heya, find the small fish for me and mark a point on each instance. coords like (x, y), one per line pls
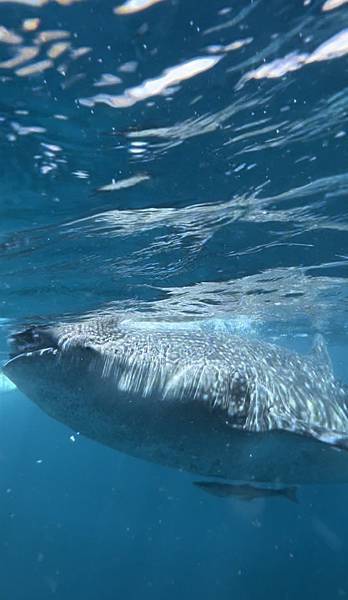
(245, 492)
(123, 183)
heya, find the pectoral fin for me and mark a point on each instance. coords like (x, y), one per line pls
(221, 490)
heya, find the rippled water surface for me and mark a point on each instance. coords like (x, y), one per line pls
(182, 159)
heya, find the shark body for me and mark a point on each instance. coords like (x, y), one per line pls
(208, 402)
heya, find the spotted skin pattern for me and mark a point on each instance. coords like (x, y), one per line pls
(260, 386)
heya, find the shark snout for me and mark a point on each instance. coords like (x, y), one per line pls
(32, 339)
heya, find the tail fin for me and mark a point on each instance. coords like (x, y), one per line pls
(291, 494)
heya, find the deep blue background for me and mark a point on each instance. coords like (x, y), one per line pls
(243, 217)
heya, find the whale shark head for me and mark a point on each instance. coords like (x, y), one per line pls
(60, 377)
(73, 373)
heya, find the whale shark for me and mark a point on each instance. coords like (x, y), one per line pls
(191, 397)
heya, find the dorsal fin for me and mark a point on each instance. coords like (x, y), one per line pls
(320, 353)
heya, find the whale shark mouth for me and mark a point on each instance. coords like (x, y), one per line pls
(35, 340)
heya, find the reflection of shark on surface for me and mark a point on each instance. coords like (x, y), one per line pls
(190, 397)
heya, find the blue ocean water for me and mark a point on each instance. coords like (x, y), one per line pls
(181, 159)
